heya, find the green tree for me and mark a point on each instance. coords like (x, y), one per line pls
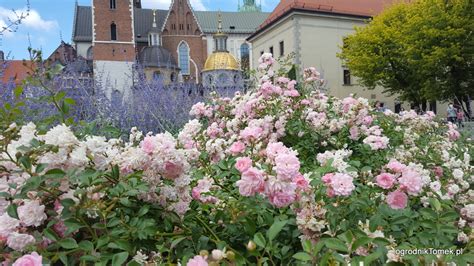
(421, 51)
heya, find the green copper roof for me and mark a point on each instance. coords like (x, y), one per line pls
(250, 6)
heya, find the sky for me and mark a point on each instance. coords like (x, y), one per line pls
(50, 21)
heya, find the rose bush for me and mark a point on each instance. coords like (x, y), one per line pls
(282, 175)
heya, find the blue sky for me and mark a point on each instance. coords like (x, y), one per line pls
(49, 20)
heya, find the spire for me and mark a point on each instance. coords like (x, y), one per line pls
(219, 27)
(220, 38)
(154, 18)
(154, 33)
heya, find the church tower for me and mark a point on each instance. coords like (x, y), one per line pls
(250, 6)
(183, 37)
(114, 44)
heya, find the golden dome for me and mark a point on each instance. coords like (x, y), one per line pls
(221, 61)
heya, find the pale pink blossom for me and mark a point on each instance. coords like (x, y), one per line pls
(31, 213)
(327, 178)
(354, 133)
(172, 170)
(301, 182)
(438, 171)
(251, 133)
(287, 165)
(197, 261)
(397, 199)
(19, 241)
(237, 148)
(8, 225)
(342, 184)
(411, 182)
(243, 164)
(33, 259)
(251, 182)
(396, 166)
(148, 144)
(385, 180)
(275, 148)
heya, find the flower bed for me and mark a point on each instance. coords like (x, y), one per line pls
(283, 175)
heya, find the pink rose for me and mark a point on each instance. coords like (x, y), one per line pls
(243, 164)
(330, 192)
(197, 261)
(301, 181)
(287, 165)
(251, 133)
(396, 166)
(282, 199)
(385, 180)
(342, 184)
(172, 170)
(397, 199)
(327, 178)
(411, 182)
(251, 182)
(354, 131)
(438, 171)
(33, 259)
(148, 144)
(237, 148)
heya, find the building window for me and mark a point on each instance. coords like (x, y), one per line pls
(181, 27)
(183, 52)
(271, 50)
(156, 75)
(347, 77)
(245, 56)
(90, 53)
(282, 48)
(113, 4)
(173, 27)
(113, 32)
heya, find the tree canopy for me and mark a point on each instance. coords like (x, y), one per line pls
(420, 50)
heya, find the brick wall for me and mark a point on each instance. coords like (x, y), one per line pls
(181, 25)
(197, 47)
(103, 17)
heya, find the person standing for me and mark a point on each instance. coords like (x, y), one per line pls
(452, 114)
(460, 118)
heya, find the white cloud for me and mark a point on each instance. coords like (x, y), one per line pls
(165, 4)
(32, 21)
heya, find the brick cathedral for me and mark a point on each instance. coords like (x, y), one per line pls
(172, 44)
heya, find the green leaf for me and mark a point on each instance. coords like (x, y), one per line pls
(361, 242)
(119, 258)
(86, 245)
(276, 227)
(336, 244)
(50, 234)
(12, 211)
(307, 246)
(40, 168)
(55, 173)
(70, 101)
(143, 210)
(68, 243)
(259, 239)
(102, 241)
(303, 256)
(176, 241)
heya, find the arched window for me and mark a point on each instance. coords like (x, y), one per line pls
(156, 75)
(245, 56)
(90, 53)
(113, 4)
(183, 54)
(113, 32)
